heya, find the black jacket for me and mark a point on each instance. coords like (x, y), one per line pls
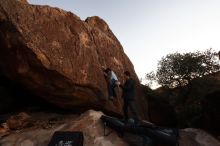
(128, 89)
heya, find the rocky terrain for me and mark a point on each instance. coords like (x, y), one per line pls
(41, 127)
(51, 69)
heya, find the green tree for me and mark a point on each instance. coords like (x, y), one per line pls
(179, 69)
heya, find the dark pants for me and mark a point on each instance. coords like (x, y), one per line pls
(130, 104)
(111, 89)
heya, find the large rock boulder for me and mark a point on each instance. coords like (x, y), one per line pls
(58, 57)
(197, 105)
(160, 110)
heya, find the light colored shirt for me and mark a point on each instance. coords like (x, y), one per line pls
(113, 76)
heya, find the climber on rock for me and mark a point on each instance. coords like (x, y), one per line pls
(112, 82)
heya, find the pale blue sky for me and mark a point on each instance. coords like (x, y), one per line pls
(150, 29)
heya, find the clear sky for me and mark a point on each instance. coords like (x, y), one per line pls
(150, 29)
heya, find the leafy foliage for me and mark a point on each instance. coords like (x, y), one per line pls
(179, 69)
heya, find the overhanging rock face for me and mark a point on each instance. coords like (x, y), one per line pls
(58, 57)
